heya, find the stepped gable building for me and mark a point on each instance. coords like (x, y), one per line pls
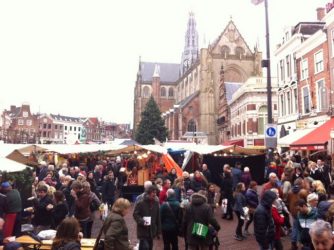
(198, 110)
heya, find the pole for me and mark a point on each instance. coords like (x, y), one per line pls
(270, 115)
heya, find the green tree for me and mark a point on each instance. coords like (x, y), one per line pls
(151, 125)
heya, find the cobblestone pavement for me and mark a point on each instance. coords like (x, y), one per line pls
(225, 235)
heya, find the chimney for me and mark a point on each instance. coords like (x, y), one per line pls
(12, 108)
(320, 13)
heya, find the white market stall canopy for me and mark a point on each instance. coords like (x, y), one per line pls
(132, 148)
(290, 138)
(9, 166)
(81, 148)
(210, 149)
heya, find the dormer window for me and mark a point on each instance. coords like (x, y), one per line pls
(225, 51)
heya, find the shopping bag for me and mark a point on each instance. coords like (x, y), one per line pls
(199, 230)
(224, 206)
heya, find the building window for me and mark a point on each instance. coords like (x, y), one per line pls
(304, 69)
(146, 92)
(282, 105)
(29, 122)
(239, 52)
(70, 128)
(282, 70)
(25, 114)
(49, 126)
(318, 62)
(322, 96)
(191, 126)
(306, 100)
(44, 125)
(163, 92)
(294, 63)
(288, 65)
(170, 92)
(288, 100)
(60, 126)
(75, 128)
(79, 129)
(56, 126)
(44, 134)
(65, 127)
(225, 51)
(20, 122)
(262, 121)
(295, 100)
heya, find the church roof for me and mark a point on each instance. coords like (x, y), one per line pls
(169, 72)
(186, 100)
(231, 88)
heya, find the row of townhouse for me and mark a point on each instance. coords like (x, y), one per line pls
(305, 67)
(20, 125)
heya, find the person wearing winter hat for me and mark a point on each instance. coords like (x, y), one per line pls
(264, 227)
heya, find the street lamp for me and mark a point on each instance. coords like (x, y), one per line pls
(266, 63)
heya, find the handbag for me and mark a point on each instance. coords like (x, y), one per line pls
(99, 243)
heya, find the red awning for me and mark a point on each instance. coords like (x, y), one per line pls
(315, 140)
(238, 142)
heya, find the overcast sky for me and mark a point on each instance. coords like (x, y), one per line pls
(80, 58)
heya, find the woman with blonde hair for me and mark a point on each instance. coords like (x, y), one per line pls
(115, 229)
(319, 189)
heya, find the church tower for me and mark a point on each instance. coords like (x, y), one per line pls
(190, 51)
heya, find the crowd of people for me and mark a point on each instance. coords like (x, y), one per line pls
(294, 202)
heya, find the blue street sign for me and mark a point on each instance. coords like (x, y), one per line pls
(271, 132)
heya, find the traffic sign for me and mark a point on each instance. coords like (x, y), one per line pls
(271, 136)
(271, 131)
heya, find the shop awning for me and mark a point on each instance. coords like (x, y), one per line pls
(287, 140)
(315, 140)
(238, 142)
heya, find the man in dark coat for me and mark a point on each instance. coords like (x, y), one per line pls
(226, 189)
(264, 227)
(199, 211)
(109, 188)
(147, 216)
(206, 172)
(42, 210)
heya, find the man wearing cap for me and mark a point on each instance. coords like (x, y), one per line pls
(14, 207)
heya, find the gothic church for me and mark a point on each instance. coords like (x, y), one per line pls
(193, 96)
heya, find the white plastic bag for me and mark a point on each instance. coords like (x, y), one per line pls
(47, 234)
(105, 211)
(224, 206)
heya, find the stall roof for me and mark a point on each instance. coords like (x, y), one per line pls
(81, 148)
(9, 166)
(315, 140)
(131, 149)
(290, 138)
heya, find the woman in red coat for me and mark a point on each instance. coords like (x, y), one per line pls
(279, 221)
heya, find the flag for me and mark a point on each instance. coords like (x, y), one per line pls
(256, 2)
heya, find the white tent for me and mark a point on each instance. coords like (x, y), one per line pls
(10, 166)
(290, 138)
(81, 148)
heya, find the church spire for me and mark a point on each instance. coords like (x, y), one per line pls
(190, 52)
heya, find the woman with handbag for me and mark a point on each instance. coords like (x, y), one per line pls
(115, 229)
(239, 205)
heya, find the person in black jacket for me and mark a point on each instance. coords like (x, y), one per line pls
(239, 204)
(264, 227)
(226, 189)
(252, 199)
(60, 210)
(42, 210)
(199, 211)
(108, 189)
